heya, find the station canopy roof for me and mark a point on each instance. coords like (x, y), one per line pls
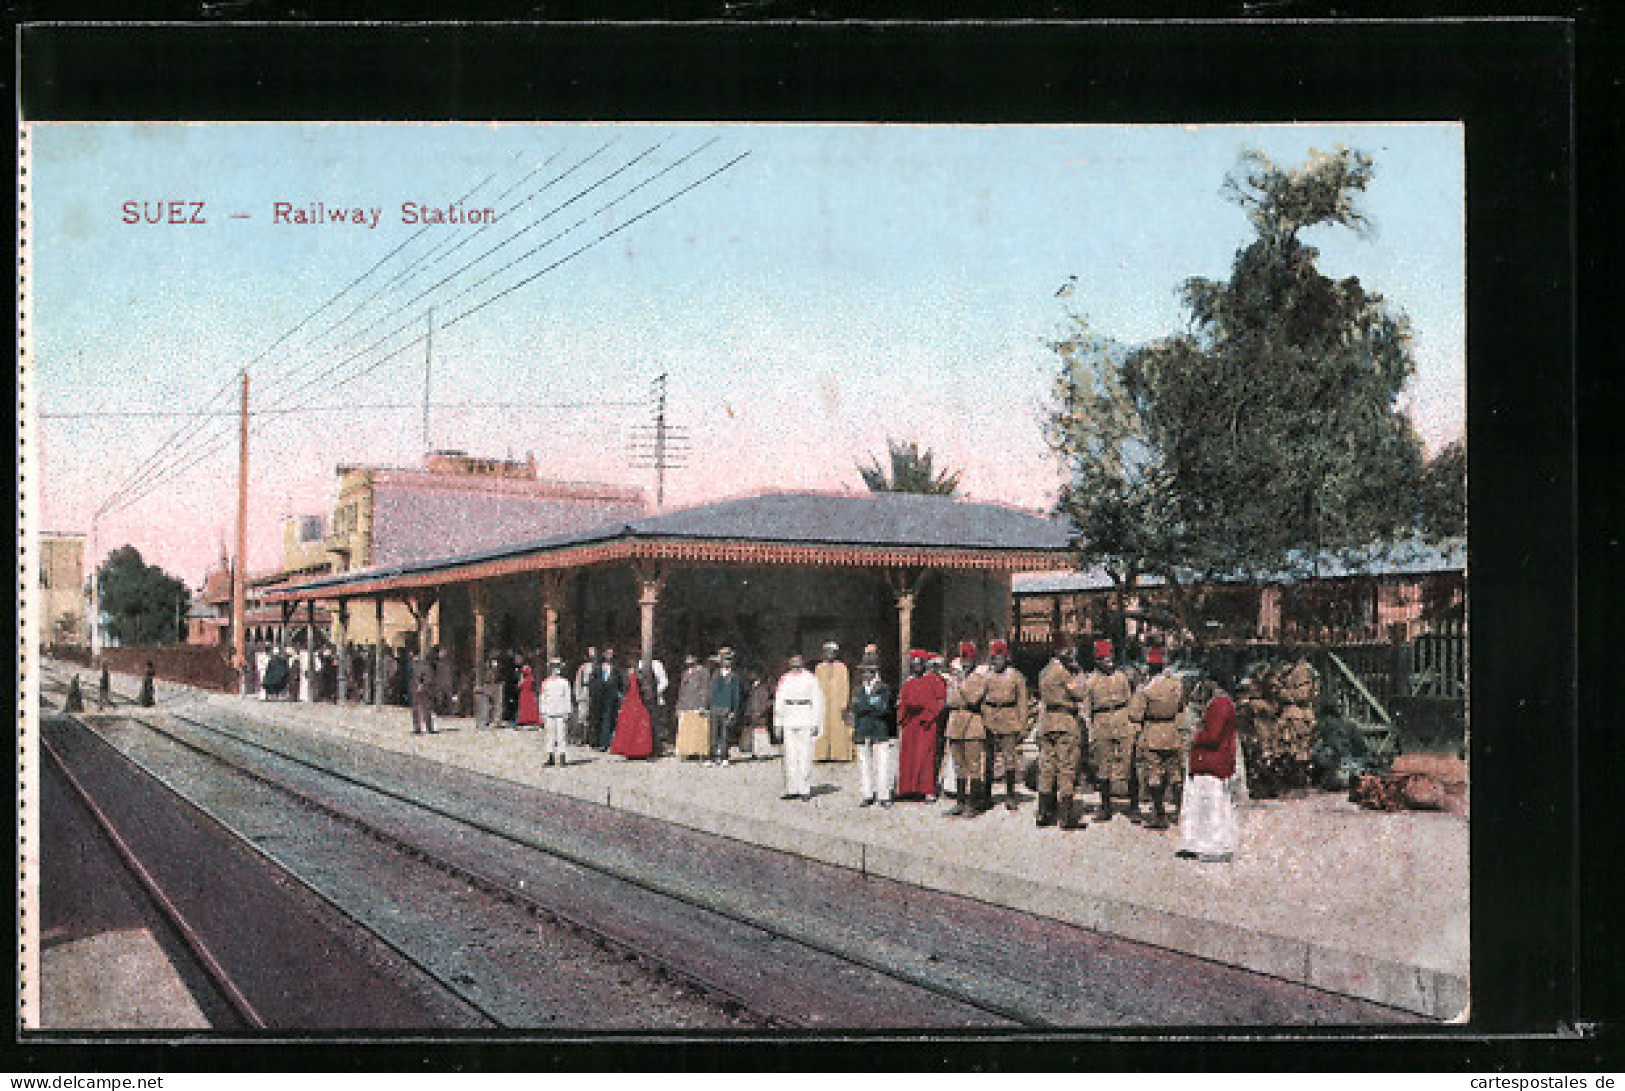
(1393, 561)
(809, 529)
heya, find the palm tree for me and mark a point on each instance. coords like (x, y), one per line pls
(911, 471)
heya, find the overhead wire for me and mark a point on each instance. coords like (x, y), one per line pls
(180, 467)
(172, 445)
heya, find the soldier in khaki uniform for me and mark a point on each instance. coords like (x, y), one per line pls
(965, 732)
(1158, 748)
(1300, 693)
(1111, 735)
(1060, 737)
(1004, 713)
(1259, 782)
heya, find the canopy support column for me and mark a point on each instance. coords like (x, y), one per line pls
(342, 635)
(378, 651)
(651, 581)
(479, 601)
(905, 584)
(552, 585)
(307, 692)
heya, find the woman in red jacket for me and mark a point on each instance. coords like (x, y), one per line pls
(1207, 824)
(529, 714)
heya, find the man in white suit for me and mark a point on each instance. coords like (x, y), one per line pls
(798, 713)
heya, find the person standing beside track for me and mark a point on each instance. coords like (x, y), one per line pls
(1154, 710)
(1111, 732)
(727, 706)
(693, 705)
(529, 714)
(607, 688)
(966, 734)
(835, 744)
(1004, 713)
(556, 704)
(1207, 822)
(1060, 737)
(146, 697)
(873, 729)
(583, 692)
(919, 715)
(104, 689)
(798, 711)
(422, 698)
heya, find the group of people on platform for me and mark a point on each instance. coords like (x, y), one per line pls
(953, 728)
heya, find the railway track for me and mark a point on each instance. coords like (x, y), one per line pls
(776, 941)
(796, 985)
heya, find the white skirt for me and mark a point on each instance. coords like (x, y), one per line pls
(1207, 822)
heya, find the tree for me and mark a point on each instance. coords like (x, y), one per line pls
(1276, 416)
(144, 604)
(1444, 493)
(1119, 495)
(912, 470)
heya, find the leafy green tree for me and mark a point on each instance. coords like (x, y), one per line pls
(1444, 493)
(1276, 415)
(144, 604)
(1118, 494)
(912, 470)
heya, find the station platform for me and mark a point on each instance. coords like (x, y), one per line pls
(1362, 903)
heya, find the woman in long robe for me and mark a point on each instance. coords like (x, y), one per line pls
(1207, 823)
(529, 714)
(634, 736)
(920, 705)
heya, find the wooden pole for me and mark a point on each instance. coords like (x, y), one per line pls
(478, 599)
(343, 635)
(239, 573)
(378, 651)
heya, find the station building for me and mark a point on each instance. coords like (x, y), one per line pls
(766, 575)
(63, 610)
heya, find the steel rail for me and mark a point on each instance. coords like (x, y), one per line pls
(349, 918)
(711, 986)
(217, 974)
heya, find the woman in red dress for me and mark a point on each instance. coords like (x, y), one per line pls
(529, 714)
(919, 715)
(634, 737)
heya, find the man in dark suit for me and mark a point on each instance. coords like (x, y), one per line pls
(605, 689)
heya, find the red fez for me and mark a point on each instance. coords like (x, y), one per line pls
(1153, 656)
(1103, 649)
(967, 650)
(998, 647)
(919, 654)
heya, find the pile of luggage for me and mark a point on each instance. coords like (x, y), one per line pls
(1422, 782)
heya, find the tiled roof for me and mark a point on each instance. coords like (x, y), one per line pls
(884, 519)
(1404, 559)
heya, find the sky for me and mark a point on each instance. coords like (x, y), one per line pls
(810, 290)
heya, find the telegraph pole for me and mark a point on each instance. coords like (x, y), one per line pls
(239, 570)
(660, 444)
(95, 592)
